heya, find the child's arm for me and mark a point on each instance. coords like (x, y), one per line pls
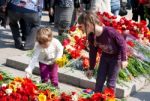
(121, 43)
(92, 52)
(34, 59)
(59, 49)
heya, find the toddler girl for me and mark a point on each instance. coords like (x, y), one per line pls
(47, 50)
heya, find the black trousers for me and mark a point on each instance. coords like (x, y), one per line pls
(32, 23)
(138, 11)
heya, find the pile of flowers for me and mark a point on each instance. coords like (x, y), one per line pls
(20, 89)
(75, 43)
(122, 24)
(24, 89)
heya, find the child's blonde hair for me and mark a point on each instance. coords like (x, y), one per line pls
(44, 35)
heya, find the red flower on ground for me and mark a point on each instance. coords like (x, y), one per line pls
(4, 98)
(1, 77)
(109, 92)
(73, 28)
(85, 63)
(65, 97)
(65, 42)
(96, 97)
(130, 43)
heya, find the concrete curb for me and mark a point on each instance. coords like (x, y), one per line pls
(77, 78)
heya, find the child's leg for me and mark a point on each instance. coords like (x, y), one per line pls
(101, 75)
(54, 74)
(44, 72)
(113, 70)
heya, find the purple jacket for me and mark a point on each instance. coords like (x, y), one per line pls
(110, 42)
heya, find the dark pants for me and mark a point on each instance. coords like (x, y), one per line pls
(24, 29)
(148, 15)
(138, 11)
(49, 72)
(33, 19)
(108, 70)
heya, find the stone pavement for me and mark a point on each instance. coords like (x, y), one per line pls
(7, 50)
(17, 73)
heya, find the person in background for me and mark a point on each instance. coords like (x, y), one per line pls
(101, 6)
(147, 12)
(128, 5)
(137, 10)
(63, 14)
(46, 51)
(3, 13)
(51, 13)
(77, 10)
(86, 4)
(115, 7)
(29, 12)
(113, 48)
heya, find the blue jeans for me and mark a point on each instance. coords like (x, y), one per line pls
(115, 12)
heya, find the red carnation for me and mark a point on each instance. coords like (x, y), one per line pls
(65, 42)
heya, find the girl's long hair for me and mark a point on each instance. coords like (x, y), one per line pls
(89, 17)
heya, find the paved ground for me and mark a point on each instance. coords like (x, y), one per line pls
(7, 50)
(17, 73)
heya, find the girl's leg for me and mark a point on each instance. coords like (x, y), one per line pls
(113, 70)
(44, 72)
(54, 74)
(101, 75)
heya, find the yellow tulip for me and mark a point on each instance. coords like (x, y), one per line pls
(42, 97)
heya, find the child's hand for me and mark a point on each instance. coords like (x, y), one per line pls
(28, 72)
(89, 74)
(124, 64)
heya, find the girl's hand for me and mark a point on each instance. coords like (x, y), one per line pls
(124, 64)
(89, 74)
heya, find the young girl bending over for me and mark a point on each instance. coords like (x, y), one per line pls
(47, 50)
(113, 48)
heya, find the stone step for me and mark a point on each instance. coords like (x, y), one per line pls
(18, 73)
(77, 78)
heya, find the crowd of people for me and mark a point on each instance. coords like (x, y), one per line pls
(24, 21)
(24, 15)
